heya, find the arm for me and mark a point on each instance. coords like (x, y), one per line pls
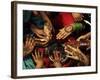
(46, 18)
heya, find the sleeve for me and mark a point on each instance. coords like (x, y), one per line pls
(28, 64)
(66, 18)
(78, 27)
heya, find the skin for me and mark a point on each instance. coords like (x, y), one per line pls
(77, 16)
(84, 36)
(28, 46)
(38, 58)
(64, 32)
(56, 58)
(44, 35)
(76, 54)
(67, 30)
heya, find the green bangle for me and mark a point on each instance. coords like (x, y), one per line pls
(77, 26)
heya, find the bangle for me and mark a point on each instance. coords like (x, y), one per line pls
(77, 26)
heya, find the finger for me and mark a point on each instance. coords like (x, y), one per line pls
(60, 55)
(56, 56)
(60, 35)
(33, 43)
(31, 47)
(79, 50)
(30, 39)
(57, 36)
(28, 42)
(65, 35)
(61, 31)
(38, 53)
(41, 35)
(33, 57)
(68, 52)
(51, 58)
(72, 48)
(81, 37)
(27, 37)
(78, 39)
(41, 55)
(73, 57)
(36, 56)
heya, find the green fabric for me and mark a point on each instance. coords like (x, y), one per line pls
(77, 27)
(37, 21)
(26, 15)
(28, 64)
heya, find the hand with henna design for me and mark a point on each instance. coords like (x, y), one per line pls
(76, 54)
(64, 32)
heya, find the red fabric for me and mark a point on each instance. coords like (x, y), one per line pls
(41, 50)
(67, 64)
(65, 19)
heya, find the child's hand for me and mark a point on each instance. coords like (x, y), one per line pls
(56, 58)
(38, 58)
(28, 46)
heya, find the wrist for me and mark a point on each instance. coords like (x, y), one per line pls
(57, 64)
(39, 66)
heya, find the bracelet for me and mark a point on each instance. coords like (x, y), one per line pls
(77, 26)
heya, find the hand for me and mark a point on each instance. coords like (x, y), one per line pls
(28, 46)
(77, 16)
(76, 54)
(56, 58)
(44, 35)
(86, 36)
(87, 40)
(38, 58)
(47, 30)
(64, 32)
(47, 35)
